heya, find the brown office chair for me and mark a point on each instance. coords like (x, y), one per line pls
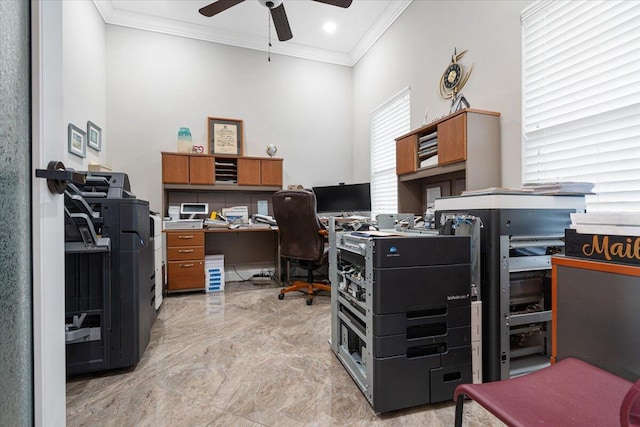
(302, 237)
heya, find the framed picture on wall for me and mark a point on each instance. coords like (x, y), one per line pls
(77, 141)
(226, 136)
(94, 136)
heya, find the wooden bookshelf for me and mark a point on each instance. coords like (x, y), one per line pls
(468, 153)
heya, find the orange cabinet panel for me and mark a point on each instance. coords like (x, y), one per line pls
(183, 275)
(406, 155)
(185, 260)
(201, 170)
(185, 253)
(248, 171)
(452, 140)
(175, 169)
(271, 172)
(185, 238)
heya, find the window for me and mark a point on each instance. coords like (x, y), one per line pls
(388, 121)
(581, 98)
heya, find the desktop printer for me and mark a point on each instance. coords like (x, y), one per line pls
(191, 223)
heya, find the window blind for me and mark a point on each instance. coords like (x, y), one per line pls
(388, 121)
(581, 98)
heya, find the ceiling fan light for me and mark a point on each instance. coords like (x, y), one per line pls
(330, 27)
(271, 4)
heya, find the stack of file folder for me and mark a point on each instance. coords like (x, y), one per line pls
(428, 150)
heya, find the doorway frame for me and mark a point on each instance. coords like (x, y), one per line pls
(49, 388)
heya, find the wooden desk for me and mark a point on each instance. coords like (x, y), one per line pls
(186, 250)
(220, 181)
(595, 314)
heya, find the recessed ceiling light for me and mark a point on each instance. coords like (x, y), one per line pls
(330, 27)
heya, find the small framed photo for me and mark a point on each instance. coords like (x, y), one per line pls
(77, 141)
(94, 136)
(226, 136)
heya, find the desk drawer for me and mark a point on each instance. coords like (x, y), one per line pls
(185, 238)
(182, 253)
(185, 275)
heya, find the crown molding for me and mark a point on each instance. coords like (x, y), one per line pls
(113, 16)
(391, 13)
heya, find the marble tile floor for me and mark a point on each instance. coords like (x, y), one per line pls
(241, 358)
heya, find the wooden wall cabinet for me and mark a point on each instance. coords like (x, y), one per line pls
(271, 172)
(406, 154)
(179, 168)
(255, 171)
(468, 158)
(201, 169)
(248, 171)
(175, 169)
(453, 134)
(185, 260)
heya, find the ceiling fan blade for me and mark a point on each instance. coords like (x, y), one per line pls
(218, 6)
(281, 23)
(339, 3)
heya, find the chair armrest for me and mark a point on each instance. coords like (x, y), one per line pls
(630, 408)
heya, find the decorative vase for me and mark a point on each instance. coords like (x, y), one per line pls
(184, 141)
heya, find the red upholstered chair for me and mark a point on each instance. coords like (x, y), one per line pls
(630, 409)
(568, 393)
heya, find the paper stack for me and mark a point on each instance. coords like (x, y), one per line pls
(613, 223)
(236, 214)
(428, 149)
(559, 187)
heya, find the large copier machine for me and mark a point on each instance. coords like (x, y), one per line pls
(518, 233)
(109, 274)
(401, 314)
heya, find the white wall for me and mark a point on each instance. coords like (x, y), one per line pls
(84, 73)
(416, 49)
(158, 83)
(317, 114)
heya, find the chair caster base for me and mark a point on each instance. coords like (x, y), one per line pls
(280, 296)
(309, 301)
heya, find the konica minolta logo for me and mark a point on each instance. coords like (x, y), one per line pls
(457, 297)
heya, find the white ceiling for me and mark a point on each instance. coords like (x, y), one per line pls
(246, 24)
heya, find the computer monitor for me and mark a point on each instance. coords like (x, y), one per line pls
(193, 209)
(343, 198)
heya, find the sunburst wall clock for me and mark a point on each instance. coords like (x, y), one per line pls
(452, 81)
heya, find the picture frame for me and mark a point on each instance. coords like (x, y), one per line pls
(226, 136)
(94, 136)
(77, 139)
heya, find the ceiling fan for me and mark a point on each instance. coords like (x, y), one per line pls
(279, 16)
